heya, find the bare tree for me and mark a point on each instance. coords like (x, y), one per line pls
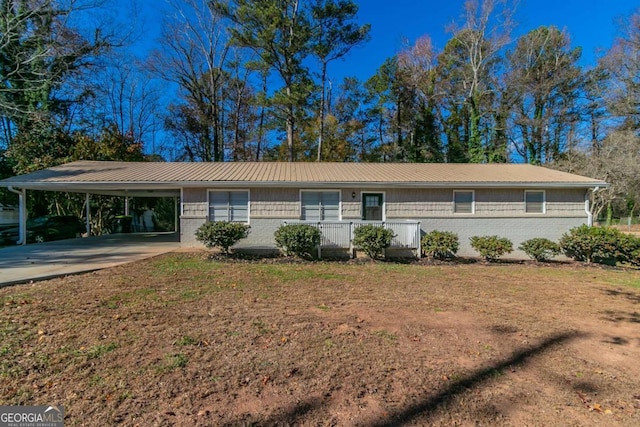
(622, 63)
(471, 57)
(617, 161)
(241, 117)
(417, 66)
(544, 80)
(194, 56)
(124, 96)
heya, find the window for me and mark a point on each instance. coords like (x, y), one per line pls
(232, 206)
(534, 202)
(320, 205)
(463, 202)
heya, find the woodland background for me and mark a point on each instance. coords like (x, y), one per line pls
(252, 83)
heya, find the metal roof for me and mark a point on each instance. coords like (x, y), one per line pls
(158, 176)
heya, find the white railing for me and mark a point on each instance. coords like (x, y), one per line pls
(339, 234)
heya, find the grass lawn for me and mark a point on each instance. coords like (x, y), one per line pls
(184, 340)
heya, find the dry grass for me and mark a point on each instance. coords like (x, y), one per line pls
(184, 340)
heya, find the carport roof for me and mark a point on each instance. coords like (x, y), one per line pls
(154, 178)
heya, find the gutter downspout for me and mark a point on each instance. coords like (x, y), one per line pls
(22, 214)
(587, 208)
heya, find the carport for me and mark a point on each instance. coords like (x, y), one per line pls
(83, 180)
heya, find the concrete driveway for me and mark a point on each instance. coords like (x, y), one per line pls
(39, 261)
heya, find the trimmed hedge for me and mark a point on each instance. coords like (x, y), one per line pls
(540, 249)
(491, 247)
(440, 244)
(221, 234)
(298, 239)
(372, 239)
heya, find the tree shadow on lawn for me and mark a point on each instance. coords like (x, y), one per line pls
(428, 407)
(617, 316)
(286, 417)
(633, 297)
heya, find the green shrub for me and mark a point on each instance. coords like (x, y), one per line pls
(221, 234)
(372, 239)
(298, 239)
(540, 249)
(629, 249)
(440, 244)
(594, 244)
(635, 256)
(491, 247)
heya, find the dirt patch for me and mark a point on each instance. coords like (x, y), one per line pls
(185, 340)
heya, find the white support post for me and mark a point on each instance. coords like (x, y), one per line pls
(320, 242)
(418, 236)
(22, 214)
(87, 201)
(352, 250)
(176, 216)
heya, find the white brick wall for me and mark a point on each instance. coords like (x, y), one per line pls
(515, 229)
(188, 227)
(260, 235)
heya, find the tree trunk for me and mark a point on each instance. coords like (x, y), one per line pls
(236, 131)
(290, 126)
(476, 152)
(322, 107)
(261, 124)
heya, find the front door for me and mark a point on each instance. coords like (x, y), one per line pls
(372, 205)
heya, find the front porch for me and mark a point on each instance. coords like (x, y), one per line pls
(338, 235)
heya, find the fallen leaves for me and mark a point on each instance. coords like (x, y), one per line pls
(595, 407)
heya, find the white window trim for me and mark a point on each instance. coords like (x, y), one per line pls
(319, 190)
(544, 202)
(473, 202)
(384, 202)
(228, 190)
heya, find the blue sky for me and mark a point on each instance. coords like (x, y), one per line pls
(590, 24)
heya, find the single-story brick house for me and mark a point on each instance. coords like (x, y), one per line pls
(517, 201)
